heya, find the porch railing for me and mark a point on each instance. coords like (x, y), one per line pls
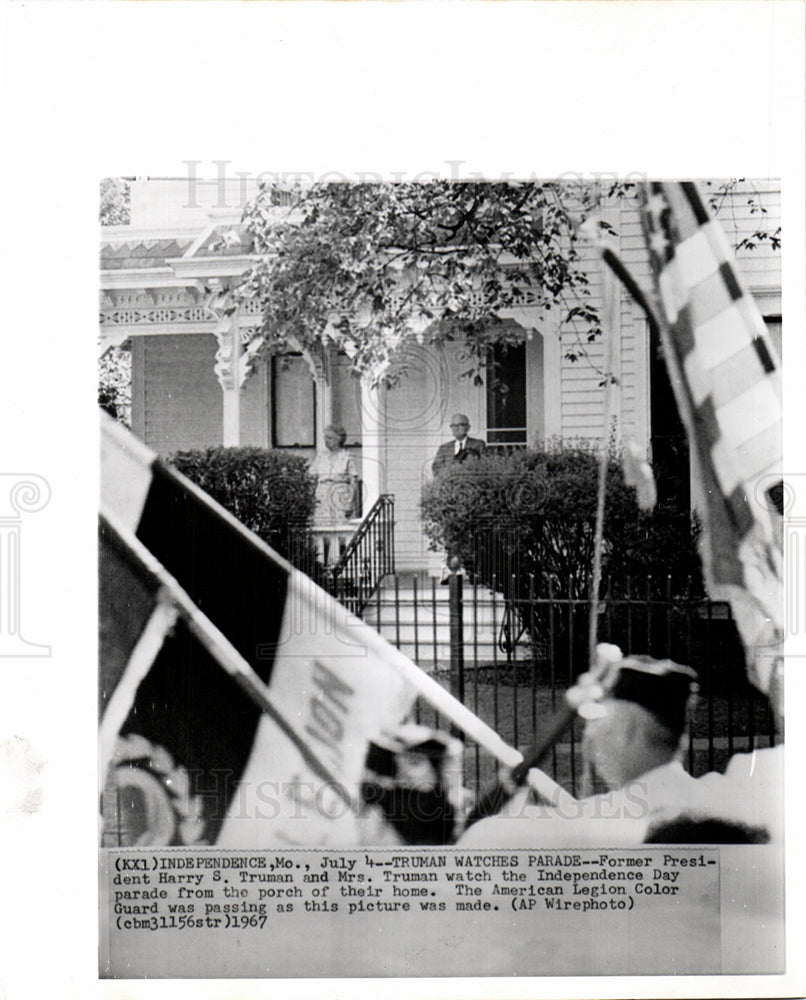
(368, 557)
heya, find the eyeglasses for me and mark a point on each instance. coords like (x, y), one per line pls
(460, 425)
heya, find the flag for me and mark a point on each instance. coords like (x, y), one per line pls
(232, 687)
(727, 384)
(178, 704)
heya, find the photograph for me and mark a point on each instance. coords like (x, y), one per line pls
(402, 500)
(443, 516)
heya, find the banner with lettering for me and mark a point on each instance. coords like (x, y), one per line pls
(286, 742)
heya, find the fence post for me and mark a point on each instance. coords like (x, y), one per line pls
(457, 639)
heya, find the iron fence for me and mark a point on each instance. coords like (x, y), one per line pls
(511, 660)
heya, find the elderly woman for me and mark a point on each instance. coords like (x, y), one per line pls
(336, 479)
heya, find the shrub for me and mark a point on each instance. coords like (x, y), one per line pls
(270, 492)
(524, 524)
(538, 508)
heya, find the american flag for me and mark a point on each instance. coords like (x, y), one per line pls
(726, 378)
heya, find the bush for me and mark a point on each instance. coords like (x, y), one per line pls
(524, 525)
(270, 492)
(537, 510)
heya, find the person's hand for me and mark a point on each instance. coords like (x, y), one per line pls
(591, 687)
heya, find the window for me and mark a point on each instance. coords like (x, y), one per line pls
(506, 396)
(293, 402)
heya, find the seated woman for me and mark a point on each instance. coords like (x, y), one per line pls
(336, 479)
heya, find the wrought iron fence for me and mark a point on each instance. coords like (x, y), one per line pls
(548, 557)
(511, 660)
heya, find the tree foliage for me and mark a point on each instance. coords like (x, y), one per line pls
(722, 196)
(367, 266)
(115, 383)
(114, 202)
(115, 365)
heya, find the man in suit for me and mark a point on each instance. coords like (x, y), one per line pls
(460, 449)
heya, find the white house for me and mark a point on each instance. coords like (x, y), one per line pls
(195, 383)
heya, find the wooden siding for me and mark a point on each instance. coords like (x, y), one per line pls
(581, 396)
(760, 267)
(255, 408)
(415, 414)
(182, 402)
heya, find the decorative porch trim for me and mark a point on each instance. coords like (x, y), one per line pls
(210, 267)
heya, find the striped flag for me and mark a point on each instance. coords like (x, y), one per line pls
(726, 379)
(237, 698)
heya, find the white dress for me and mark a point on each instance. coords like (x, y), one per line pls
(336, 474)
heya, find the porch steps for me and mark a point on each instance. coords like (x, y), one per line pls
(414, 615)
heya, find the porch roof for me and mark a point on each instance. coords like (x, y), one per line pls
(131, 252)
(141, 254)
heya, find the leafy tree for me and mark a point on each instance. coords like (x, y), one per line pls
(115, 383)
(367, 266)
(114, 202)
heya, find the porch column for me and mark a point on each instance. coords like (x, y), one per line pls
(228, 372)
(324, 404)
(552, 376)
(611, 332)
(371, 443)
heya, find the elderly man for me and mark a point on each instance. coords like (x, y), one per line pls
(632, 744)
(460, 449)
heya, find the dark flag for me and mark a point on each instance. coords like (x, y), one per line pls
(177, 727)
(233, 689)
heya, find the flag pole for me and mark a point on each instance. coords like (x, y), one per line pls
(610, 306)
(600, 658)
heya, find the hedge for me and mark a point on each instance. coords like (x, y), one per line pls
(540, 506)
(524, 525)
(270, 492)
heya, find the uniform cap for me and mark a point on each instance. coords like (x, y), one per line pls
(663, 687)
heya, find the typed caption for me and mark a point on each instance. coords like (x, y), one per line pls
(174, 912)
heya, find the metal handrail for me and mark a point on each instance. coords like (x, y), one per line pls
(368, 557)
